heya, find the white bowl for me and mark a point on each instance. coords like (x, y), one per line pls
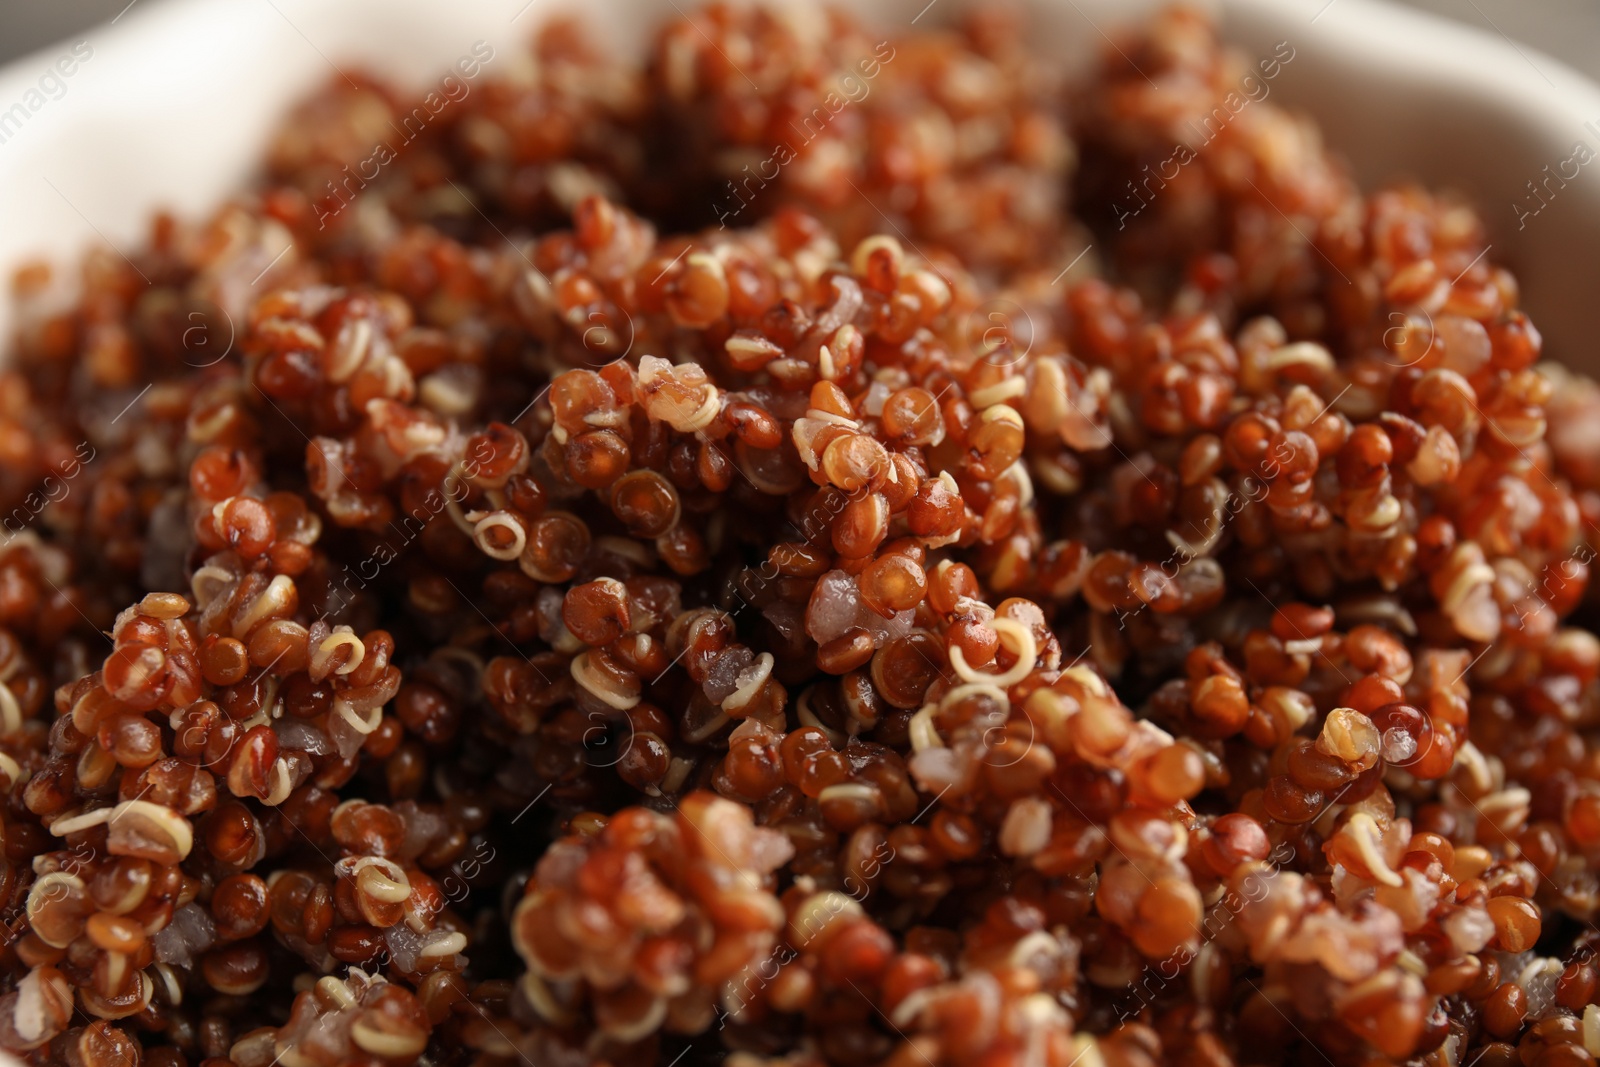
(173, 106)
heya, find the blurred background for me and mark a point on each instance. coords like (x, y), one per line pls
(1566, 29)
(26, 25)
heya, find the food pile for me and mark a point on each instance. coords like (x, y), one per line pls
(764, 556)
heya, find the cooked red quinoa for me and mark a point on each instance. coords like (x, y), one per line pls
(674, 571)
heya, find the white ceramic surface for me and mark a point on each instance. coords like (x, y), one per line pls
(173, 105)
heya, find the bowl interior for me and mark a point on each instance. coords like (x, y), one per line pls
(171, 106)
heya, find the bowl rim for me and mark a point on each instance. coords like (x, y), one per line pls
(1434, 55)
